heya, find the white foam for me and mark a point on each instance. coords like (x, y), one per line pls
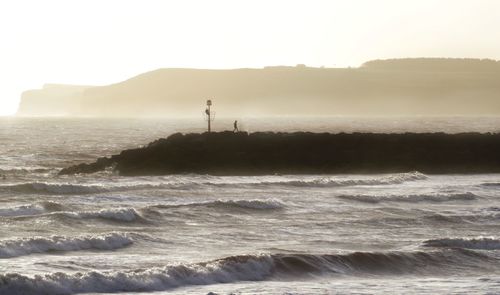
(26, 246)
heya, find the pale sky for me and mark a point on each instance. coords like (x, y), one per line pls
(97, 42)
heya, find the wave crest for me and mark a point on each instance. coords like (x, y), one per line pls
(238, 268)
(30, 209)
(114, 214)
(27, 246)
(268, 204)
(257, 204)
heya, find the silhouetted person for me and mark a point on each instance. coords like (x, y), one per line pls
(236, 126)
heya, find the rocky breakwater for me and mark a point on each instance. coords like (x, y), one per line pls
(228, 153)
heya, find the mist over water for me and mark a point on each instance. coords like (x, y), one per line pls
(278, 234)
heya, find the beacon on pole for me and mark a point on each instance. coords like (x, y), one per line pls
(208, 114)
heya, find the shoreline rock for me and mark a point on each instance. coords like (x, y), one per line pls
(261, 153)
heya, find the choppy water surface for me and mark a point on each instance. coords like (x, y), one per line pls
(275, 234)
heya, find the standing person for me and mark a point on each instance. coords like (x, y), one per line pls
(236, 126)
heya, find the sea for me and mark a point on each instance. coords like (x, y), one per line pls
(400, 233)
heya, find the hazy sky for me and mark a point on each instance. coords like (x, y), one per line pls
(95, 42)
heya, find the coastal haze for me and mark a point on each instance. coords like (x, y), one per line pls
(401, 87)
(350, 147)
(100, 43)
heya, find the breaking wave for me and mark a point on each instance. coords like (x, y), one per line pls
(411, 198)
(481, 243)
(240, 268)
(27, 246)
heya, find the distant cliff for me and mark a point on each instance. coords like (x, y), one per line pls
(381, 87)
(52, 100)
(228, 153)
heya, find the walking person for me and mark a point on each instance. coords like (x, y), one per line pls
(235, 124)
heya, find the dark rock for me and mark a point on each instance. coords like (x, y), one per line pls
(228, 153)
(99, 165)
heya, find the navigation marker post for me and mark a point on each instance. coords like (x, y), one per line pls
(208, 113)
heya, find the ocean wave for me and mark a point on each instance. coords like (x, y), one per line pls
(468, 196)
(316, 181)
(189, 182)
(21, 210)
(480, 243)
(76, 189)
(268, 204)
(30, 209)
(491, 184)
(240, 268)
(256, 204)
(54, 188)
(113, 214)
(25, 170)
(328, 182)
(488, 215)
(27, 246)
(52, 209)
(438, 219)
